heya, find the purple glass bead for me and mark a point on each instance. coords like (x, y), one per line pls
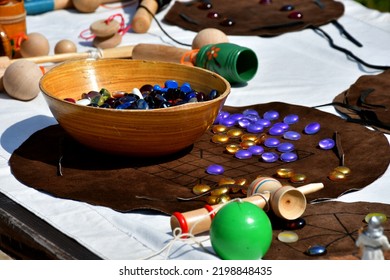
(265, 2)
(312, 128)
(250, 112)
(285, 147)
(215, 169)
(295, 15)
(237, 116)
(264, 122)
(271, 115)
(292, 135)
(244, 122)
(326, 144)
(288, 157)
(291, 119)
(221, 115)
(229, 122)
(243, 154)
(252, 117)
(276, 130)
(254, 128)
(287, 8)
(271, 142)
(256, 150)
(270, 157)
(227, 22)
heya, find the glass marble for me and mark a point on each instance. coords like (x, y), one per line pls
(250, 112)
(215, 169)
(237, 116)
(312, 128)
(264, 122)
(243, 154)
(343, 169)
(285, 147)
(227, 22)
(295, 15)
(316, 250)
(234, 133)
(326, 143)
(256, 150)
(291, 119)
(287, 8)
(288, 157)
(285, 173)
(229, 122)
(382, 217)
(288, 236)
(298, 178)
(276, 130)
(294, 224)
(247, 143)
(186, 87)
(249, 136)
(220, 138)
(244, 122)
(336, 176)
(292, 135)
(218, 128)
(254, 128)
(200, 189)
(252, 117)
(171, 84)
(271, 142)
(232, 148)
(270, 157)
(271, 115)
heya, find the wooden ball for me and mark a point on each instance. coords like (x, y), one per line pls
(65, 46)
(86, 6)
(35, 45)
(21, 80)
(209, 36)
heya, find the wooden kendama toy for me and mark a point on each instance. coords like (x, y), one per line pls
(286, 202)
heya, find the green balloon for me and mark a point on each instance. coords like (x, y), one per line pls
(241, 231)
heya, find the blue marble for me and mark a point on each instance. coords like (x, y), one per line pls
(243, 154)
(270, 157)
(326, 144)
(215, 169)
(271, 115)
(256, 150)
(285, 147)
(271, 142)
(288, 157)
(264, 122)
(244, 122)
(312, 128)
(254, 128)
(291, 119)
(316, 250)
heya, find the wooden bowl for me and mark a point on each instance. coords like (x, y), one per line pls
(140, 133)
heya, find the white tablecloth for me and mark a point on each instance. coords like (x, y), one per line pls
(298, 68)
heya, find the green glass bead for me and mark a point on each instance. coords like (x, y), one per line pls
(382, 217)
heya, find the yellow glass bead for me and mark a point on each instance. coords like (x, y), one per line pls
(285, 173)
(382, 217)
(343, 169)
(288, 236)
(249, 136)
(220, 191)
(226, 181)
(247, 143)
(241, 181)
(212, 199)
(298, 178)
(261, 138)
(234, 133)
(220, 138)
(200, 189)
(232, 148)
(336, 176)
(218, 128)
(223, 199)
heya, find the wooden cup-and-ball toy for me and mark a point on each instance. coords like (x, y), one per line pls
(34, 44)
(106, 33)
(286, 202)
(241, 231)
(209, 36)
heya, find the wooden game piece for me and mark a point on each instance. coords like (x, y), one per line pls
(34, 45)
(104, 28)
(89, 6)
(209, 36)
(65, 46)
(107, 42)
(21, 80)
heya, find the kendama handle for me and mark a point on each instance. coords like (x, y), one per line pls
(199, 220)
(311, 188)
(142, 18)
(158, 52)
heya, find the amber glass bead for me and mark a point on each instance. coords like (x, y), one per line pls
(336, 176)
(226, 181)
(220, 138)
(218, 128)
(298, 178)
(285, 173)
(234, 133)
(249, 136)
(220, 191)
(247, 143)
(232, 148)
(212, 199)
(343, 169)
(200, 189)
(223, 198)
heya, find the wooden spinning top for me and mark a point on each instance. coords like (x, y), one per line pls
(35, 44)
(106, 33)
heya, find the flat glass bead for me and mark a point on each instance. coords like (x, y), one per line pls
(234, 133)
(244, 122)
(382, 217)
(232, 148)
(71, 100)
(204, 5)
(252, 117)
(287, 8)
(219, 191)
(312, 128)
(215, 169)
(254, 128)
(285, 147)
(212, 199)
(271, 142)
(288, 157)
(271, 115)
(218, 128)
(226, 181)
(326, 144)
(256, 150)
(223, 199)
(247, 143)
(237, 116)
(270, 157)
(220, 138)
(227, 22)
(295, 224)
(291, 119)
(288, 237)
(200, 189)
(343, 169)
(250, 112)
(243, 154)
(186, 87)
(213, 15)
(264, 122)
(229, 122)
(249, 136)
(276, 130)
(84, 101)
(336, 176)
(285, 173)
(292, 135)
(295, 15)
(298, 178)
(241, 181)
(316, 250)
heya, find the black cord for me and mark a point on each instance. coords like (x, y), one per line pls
(162, 29)
(347, 52)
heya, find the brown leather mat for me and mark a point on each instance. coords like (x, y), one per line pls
(252, 18)
(368, 101)
(334, 225)
(126, 184)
